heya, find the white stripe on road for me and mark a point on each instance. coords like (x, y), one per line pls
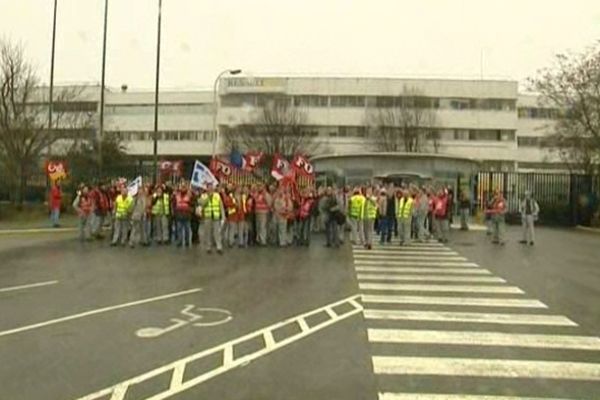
(487, 368)
(453, 301)
(432, 252)
(416, 258)
(437, 396)
(430, 278)
(472, 317)
(407, 253)
(475, 338)
(397, 245)
(421, 270)
(97, 311)
(28, 286)
(416, 263)
(440, 288)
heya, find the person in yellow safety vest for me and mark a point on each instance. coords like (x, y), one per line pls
(404, 212)
(161, 209)
(123, 206)
(355, 211)
(214, 214)
(369, 214)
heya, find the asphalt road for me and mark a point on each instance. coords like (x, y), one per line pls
(111, 294)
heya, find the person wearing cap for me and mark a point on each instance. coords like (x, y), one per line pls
(529, 209)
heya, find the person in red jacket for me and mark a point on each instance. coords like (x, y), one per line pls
(305, 214)
(441, 215)
(54, 203)
(84, 206)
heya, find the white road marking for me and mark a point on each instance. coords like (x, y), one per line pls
(430, 278)
(440, 288)
(437, 396)
(407, 253)
(416, 263)
(476, 338)
(415, 258)
(471, 317)
(486, 368)
(454, 301)
(397, 246)
(421, 270)
(94, 312)
(28, 286)
(432, 251)
(230, 362)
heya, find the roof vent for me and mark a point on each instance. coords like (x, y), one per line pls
(124, 88)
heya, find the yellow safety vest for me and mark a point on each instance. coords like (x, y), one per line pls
(370, 209)
(212, 208)
(404, 207)
(162, 206)
(357, 203)
(232, 210)
(123, 205)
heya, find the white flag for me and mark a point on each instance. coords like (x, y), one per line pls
(201, 176)
(134, 186)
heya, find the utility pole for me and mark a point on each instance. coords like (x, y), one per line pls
(100, 137)
(155, 135)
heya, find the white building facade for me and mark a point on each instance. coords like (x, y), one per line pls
(486, 120)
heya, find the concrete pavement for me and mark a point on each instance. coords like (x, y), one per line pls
(469, 318)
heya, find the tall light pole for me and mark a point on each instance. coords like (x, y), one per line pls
(155, 135)
(51, 94)
(102, 87)
(216, 107)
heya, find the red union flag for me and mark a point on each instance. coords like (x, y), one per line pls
(56, 170)
(281, 168)
(252, 160)
(171, 168)
(221, 169)
(303, 166)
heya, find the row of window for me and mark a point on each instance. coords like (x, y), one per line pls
(204, 136)
(253, 100)
(532, 141)
(538, 113)
(146, 109)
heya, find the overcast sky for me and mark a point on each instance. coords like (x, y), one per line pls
(326, 37)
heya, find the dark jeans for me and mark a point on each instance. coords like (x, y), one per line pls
(304, 231)
(331, 231)
(385, 229)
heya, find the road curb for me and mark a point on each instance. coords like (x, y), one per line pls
(588, 229)
(36, 230)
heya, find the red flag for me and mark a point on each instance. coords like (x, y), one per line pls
(221, 169)
(252, 160)
(302, 166)
(281, 168)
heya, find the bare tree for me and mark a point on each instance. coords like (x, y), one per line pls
(24, 134)
(406, 125)
(275, 128)
(572, 87)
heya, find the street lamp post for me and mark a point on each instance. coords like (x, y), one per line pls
(51, 94)
(216, 107)
(100, 137)
(155, 134)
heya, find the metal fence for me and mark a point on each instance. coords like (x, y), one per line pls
(564, 199)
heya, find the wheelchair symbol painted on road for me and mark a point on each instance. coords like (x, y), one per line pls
(200, 317)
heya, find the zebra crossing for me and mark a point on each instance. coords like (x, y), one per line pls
(443, 328)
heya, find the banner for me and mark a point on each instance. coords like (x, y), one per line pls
(56, 170)
(303, 166)
(134, 186)
(221, 169)
(201, 176)
(281, 168)
(246, 162)
(171, 168)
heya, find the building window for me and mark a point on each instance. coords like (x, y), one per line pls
(460, 104)
(311, 101)
(384, 101)
(238, 100)
(461, 134)
(75, 106)
(347, 101)
(538, 113)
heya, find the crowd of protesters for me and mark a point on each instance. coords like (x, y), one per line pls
(261, 215)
